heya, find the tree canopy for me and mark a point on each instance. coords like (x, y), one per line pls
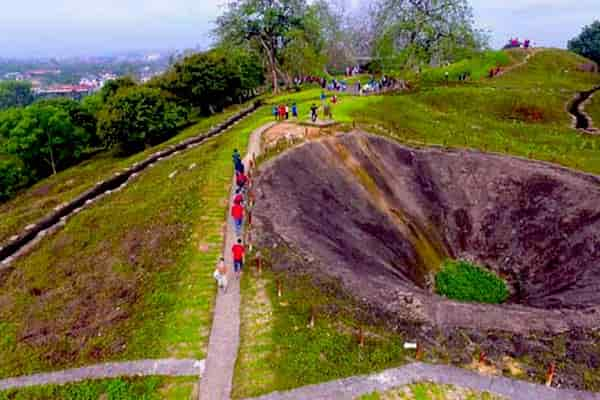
(425, 31)
(43, 137)
(587, 44)
(15, 94)
(276, 29)
(138, 116)
(213, 79)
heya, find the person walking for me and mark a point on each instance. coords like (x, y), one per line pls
(238, 199)
(241, 180)
(313, 112)
(237, 213)
(294, 110)
(275, 112)
(238, 251)
(287, 112)
(220, 274)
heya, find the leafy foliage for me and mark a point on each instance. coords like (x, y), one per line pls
(11, 178)
(477, 66)
(213, 79)
(424, 32)
(270, 28)
(44, 137)
(587, 44)
(463, 281)
(138, 116)
(15, 94)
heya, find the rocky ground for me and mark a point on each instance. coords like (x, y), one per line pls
(379, 218)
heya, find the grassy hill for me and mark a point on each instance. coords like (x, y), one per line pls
(130, 277)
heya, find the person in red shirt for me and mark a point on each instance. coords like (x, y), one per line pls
(238, 257)
(238, 198)
(241, 180)
(237, 213)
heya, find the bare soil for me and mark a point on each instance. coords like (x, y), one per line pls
(379, 218)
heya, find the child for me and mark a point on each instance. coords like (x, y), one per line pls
(220, 274)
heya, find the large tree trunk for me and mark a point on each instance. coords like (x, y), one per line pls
(272, 64)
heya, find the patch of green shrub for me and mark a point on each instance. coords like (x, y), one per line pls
(463, 281)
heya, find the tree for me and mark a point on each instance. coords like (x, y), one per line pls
(425, 31)
(138, 116)
(587, 44)
(213, 79)
(110, 88)
(15, 94)
(268, 26)
(11, 178)
(44, 138)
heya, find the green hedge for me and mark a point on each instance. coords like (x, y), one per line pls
(463, 281)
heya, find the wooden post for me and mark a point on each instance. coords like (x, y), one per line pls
(419, 355)
(550, 374)
(361, 337)
(258, 263)
(279, 288)
(249, 218)
(482, 358)
(313, 315)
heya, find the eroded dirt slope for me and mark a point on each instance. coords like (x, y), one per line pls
(380, 218)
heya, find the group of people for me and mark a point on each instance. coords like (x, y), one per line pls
(494, 72)
(515, 43)
(351, 71)
(375, 85)
(238, 211)
(282, 111)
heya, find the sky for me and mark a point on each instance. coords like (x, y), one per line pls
(60, 28)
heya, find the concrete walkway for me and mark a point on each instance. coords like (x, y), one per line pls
(165, 367)
(217, 380)
(352, 388)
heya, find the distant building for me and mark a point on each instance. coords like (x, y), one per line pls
(75, 92)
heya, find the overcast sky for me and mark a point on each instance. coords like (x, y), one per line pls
(96, 27)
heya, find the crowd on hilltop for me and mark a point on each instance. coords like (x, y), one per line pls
(515, 43)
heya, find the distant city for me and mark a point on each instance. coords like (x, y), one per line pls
(81, 76)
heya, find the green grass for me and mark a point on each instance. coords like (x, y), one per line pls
(39, 200)
(280, 351)
(429, 391)
(129, 277)
(478, 67)
(150, 388)
(464, 281)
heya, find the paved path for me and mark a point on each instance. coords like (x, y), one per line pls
(217, 380)
(351, 388)
(165, 367)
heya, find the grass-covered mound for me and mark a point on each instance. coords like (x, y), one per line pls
(464, 281)
(149, 388)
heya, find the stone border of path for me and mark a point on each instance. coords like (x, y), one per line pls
(216, 382)
(21, 243)
(351, 388)
(163, 367)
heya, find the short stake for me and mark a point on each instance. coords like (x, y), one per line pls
(550, 374)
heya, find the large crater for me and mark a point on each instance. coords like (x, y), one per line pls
(380, 218)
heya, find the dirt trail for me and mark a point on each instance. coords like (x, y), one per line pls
(164, 367)
(531, 53)
(582, 120)
(217, 380)
(354, 387)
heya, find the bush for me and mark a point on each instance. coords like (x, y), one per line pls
(11, 179)
(463, 281)
(139, 116)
